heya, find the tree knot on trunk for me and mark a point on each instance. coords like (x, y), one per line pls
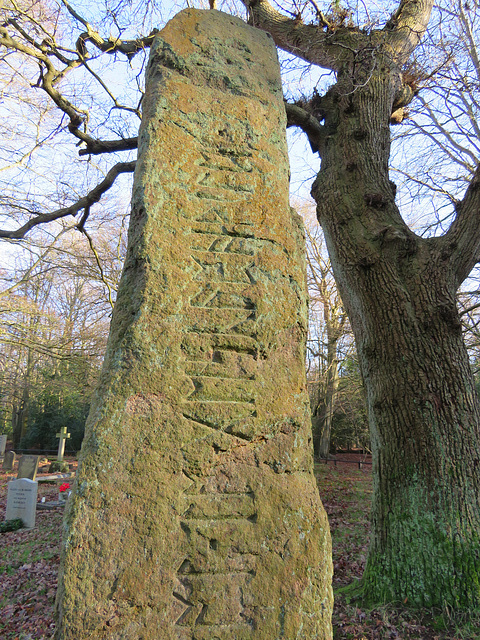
(375, 200)
(449, 314)
(405, 242)
(360, 134)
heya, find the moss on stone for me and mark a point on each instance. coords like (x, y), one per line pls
(195, 512)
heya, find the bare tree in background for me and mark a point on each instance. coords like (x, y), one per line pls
(54, 319)
(330, 338)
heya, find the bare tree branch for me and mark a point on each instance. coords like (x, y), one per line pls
(461, 243)
(329, 48)
(50, 76)
(98, 261)
(113, 45)
(96, 147)
(322, 20)
(309, 42)
(298, 117)
(82, 204)
(407, 26)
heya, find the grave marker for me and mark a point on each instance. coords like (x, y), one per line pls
(63, 435)
(8, 461)
(28, 467)
(22, 501)
(3, 444)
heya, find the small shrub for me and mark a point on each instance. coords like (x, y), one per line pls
(11, 525)
(61, 467)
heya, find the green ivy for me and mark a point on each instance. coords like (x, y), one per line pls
(11, 525)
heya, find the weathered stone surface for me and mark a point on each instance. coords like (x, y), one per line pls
(8, 461)
(28, 467)
(195, 515)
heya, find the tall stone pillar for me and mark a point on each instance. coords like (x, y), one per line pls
(195, 514)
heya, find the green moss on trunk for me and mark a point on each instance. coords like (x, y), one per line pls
(429, 557)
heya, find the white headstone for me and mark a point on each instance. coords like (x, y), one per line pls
(3, 444)
(22, 501)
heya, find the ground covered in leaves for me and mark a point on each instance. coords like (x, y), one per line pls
(29, 561)
(29, 564)
(346, 493)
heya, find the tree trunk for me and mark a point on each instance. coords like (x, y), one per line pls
(317, 426)
(325, 436)
(328, 405)
(16, 426)
(19, 416)
(399, 291)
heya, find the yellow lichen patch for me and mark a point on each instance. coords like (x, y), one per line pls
(196, 514)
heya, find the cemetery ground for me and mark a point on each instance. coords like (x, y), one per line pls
(29, 563)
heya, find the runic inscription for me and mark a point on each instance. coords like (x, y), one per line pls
(211, 587)
(221, 354)
(197, 515)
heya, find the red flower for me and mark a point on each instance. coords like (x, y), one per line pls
(63, 487)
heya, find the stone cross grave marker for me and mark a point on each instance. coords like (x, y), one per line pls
(22, 501)
(27, 467)
(8, 461)
(199, 515)
(63, 435)
(3, 444)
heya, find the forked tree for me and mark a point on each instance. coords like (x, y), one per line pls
(399, 291)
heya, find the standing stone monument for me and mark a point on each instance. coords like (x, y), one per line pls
(3, 444)
(28, 467)
(8, 461)
(195, 514)
(22, 501)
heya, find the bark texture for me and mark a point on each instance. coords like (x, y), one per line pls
(195, 514)
(399, 291)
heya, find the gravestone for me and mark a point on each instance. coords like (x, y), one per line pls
(8, 461)
(195, 514)
(22, 501)
(3, 444)
(27, 467)
(63, 435)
